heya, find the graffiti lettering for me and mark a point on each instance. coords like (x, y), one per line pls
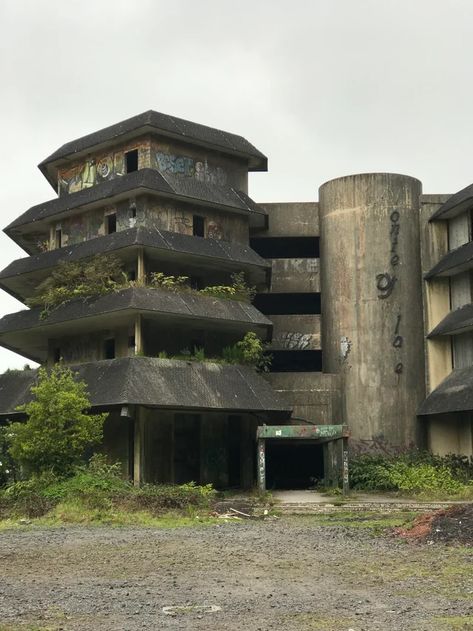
(293, 340)
(385, 285)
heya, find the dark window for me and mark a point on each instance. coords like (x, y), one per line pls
(288, 304)
(58, 238)
(296, 361)
(198, 226)
(111, 223)
(286, 247)
(132, 212)
(131, 159)
(109, 348)
(131, 341)
(132, 275)
(57, 355)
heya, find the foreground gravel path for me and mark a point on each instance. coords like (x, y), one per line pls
(287, 573)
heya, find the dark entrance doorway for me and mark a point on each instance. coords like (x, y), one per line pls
(186, 448)
(293, 464)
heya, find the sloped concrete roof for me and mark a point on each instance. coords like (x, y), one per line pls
(210, 250)
(161, 383)
(141, 299)
(454, 262)
(162, 125)
(454, 394)
(456, 204)
(150, 180)
(455, 322)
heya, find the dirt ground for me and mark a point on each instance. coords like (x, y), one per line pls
(289, 573)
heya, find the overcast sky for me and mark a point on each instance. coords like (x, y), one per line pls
(323, 87)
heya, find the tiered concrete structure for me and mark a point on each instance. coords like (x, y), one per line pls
(365, 298)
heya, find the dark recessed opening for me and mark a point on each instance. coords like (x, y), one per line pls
(111, 221)
(288, 304)
(57, 355)
(131, 341)
(296, 361)
(293, 464)
(286, 247)
(109, 348)
(132, 274)
(131, 161)
(132, 212)
(198, 226)
(58, 238)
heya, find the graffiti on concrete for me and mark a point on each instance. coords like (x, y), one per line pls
(393, 234)
(385, 285)
(215, 231)
(262, 464)
(376, 445)
(188, 167)
(292, 340)
(345, 347)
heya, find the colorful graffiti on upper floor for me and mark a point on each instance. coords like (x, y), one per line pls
(187, 167)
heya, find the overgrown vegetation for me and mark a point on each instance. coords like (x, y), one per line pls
(413, 472)
(58, 430)
(97, 492)
(104, 274)
(249, 351)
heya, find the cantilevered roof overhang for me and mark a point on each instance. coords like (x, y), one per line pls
(160, 383)
(454, 394)
(456, 204)
(21, 277)
(458, 321)
(454, 262)
(158, 124)
(27, 333)
(144, 181)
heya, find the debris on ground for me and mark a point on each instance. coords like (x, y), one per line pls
(453, 525)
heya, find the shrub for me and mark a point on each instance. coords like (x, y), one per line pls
(414, 471)
(8, 469)
(249, 351)
(238, 290)
(158, 280)
(78, 279)
(57, 431)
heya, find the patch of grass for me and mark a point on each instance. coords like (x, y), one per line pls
(454, 622)
(312, 621)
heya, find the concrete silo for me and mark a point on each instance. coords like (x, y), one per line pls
(372, 331)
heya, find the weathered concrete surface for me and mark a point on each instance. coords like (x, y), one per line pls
(314, 396)
(296, 332)
(291, 219)
(372, 331)
(295, 275)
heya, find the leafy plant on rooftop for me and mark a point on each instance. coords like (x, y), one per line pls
(158, 280)
(78, 279)
(238, 290)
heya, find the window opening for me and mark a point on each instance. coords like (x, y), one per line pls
(58, 238)
(111, 223)
(57, 355)
(131, 160)
(109, 348)
(198, 226)
(288, 303)
(133, 212)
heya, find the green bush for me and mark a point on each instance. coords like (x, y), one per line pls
(57, 430)
(238, 290)
(158, 280)
(412, 472)
(250, 351)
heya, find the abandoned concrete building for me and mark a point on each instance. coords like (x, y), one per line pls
(364, 299)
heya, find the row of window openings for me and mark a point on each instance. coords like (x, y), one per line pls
(108, 348)
(198, 226)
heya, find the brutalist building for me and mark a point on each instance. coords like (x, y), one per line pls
(364, 300)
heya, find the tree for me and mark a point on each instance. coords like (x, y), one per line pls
(58, 429)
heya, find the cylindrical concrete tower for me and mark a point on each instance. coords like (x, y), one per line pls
(371, 285)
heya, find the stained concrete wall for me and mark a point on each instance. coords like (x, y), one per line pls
(436, 291)
(451, 434)
(291, 219)
(78, 349)
(296, 332)
(372, 331)
(168, 157)
(295, 275)
(314, 396)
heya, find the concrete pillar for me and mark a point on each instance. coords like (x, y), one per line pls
(138, 448)
(372, 319)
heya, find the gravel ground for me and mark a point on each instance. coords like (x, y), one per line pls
(289, 573)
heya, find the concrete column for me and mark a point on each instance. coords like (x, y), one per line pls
(372, 319)
(141, 267)
(138, 448)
